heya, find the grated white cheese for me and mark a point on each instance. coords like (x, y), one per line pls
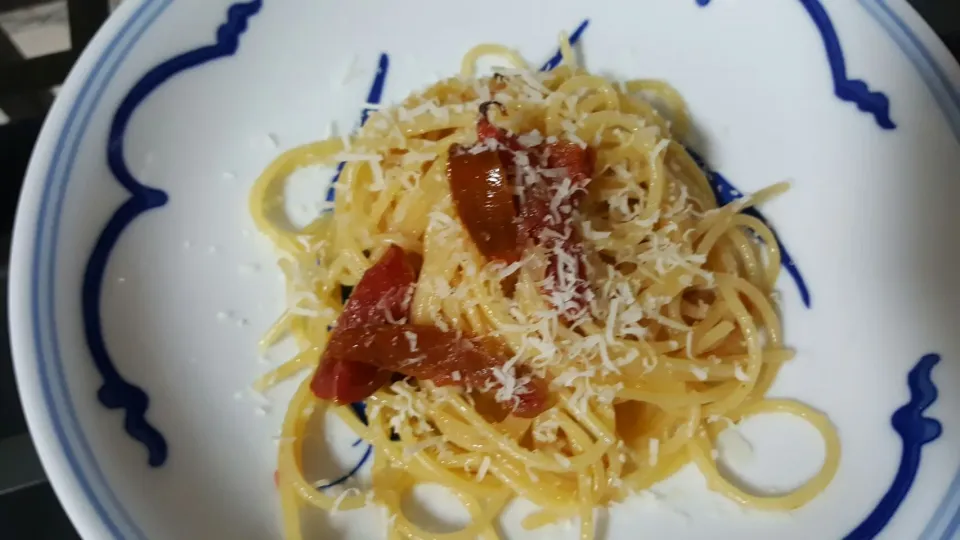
(379, 181)
(388, 315)
(632, 315)
(570, 130)
(591, 234)
(509, 270)
(411, 339)
(660, 147)
(484, 467)
(414, 360)
(533, 476)
(649, 364)
(534, 138)
(739, 373)
(699, 372)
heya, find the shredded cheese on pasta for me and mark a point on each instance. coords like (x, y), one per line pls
(680, 332)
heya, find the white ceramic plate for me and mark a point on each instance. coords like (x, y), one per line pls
(856, 103)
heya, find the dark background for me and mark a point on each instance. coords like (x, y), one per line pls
(28, 507)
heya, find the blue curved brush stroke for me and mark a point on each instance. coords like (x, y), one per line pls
(555, 60)
(360, 409)
(373, 98)
(725, 192)
(116, 392)
(353, 471)
(915, 430)
(853, 90)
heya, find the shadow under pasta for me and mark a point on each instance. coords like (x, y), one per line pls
(434, 508)
(327, 460)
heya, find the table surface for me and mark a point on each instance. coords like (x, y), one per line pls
(34, 512)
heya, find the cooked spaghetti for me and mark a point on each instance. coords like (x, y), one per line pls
(547, 302)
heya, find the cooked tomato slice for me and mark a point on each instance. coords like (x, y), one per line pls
(484, 201)
(385, 288)
(578, 161)
(382, 295)
(444, 357)
(346, 382)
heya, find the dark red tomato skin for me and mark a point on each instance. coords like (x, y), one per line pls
(386, 288)
(345, 382)
(483, 196)
(428, 353)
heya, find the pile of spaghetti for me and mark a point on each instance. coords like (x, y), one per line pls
(546, 302)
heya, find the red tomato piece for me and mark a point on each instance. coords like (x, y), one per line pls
(487, 130)
(444, 357)
(344, 381)
(386, 287)
(484, 201)
(382, 295)
(578, 161)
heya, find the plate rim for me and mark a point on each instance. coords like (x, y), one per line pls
(95, 515)
(89, 513)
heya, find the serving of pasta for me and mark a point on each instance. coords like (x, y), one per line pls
(528, 283)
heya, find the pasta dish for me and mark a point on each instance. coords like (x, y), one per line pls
(527, 287)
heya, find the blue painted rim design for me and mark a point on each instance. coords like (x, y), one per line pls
(915, 431)
(116, 392)
(90, 477)
(946, 93)
(855, 91)
(56, 395)
(945, 522)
